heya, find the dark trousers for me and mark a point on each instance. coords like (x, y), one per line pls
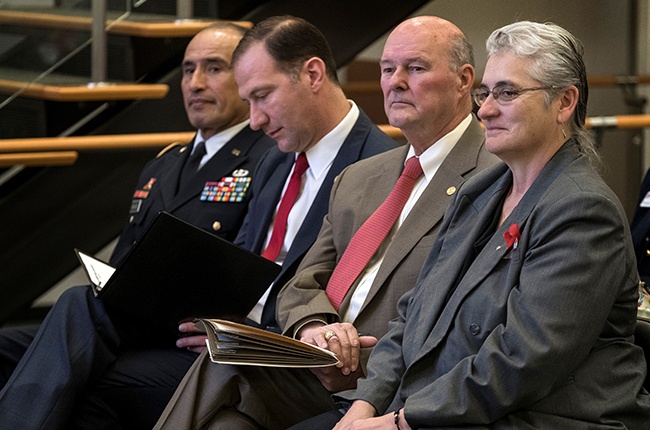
(83, 366)
(134, 391)
(14, 342)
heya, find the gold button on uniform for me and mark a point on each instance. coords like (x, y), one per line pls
(451, 190)
(216, 226)
(647, 252)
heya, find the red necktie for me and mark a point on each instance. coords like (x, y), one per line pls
(288, 199)
(372, 233)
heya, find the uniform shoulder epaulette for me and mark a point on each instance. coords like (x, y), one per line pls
(169, 147)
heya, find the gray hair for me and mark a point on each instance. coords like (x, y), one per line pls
(460, 52)
(556, 62)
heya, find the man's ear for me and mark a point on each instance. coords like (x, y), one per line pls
(315, 69)
(466, 76)
(568, 103)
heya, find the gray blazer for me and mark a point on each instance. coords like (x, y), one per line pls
(538, 336)
(357, 193)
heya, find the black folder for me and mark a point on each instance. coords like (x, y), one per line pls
(177, 272)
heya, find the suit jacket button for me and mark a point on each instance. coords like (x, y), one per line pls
(131, 218)
(474, 329)
(216, 226)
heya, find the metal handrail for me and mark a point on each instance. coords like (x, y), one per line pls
(160, 140)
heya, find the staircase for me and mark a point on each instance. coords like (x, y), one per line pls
(47, 210)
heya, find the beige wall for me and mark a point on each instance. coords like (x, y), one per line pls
(605, 28)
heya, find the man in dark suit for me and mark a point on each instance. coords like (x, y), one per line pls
(337, 134)
(427, 75)
(232, 150)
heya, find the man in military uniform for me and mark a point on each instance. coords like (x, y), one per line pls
(180, 180)
(229, 146)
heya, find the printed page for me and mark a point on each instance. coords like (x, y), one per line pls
(97, 271)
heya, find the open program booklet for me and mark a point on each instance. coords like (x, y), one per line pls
(232, 343)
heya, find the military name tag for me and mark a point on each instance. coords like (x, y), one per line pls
(136, 204)
(228, 189)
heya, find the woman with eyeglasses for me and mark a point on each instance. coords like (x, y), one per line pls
(523, 316)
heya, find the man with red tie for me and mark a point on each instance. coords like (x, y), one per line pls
(298, 101)
(383, 216)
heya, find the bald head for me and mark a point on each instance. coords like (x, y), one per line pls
(427, 74)
(435, 33)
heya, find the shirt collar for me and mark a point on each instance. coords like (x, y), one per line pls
(216, 142)
(321, 156)
(432, 158)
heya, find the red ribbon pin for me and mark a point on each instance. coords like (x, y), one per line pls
(512, 236)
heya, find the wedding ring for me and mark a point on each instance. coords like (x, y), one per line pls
(329, 335)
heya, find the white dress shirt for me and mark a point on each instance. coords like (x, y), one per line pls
(430, 160)
(216, 142)
(320, 158)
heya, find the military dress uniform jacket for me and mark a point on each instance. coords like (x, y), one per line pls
(198, 202)
(81, 340)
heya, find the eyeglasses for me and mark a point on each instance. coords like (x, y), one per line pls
(503, 94)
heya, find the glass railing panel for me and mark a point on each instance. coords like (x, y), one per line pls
(45, 43)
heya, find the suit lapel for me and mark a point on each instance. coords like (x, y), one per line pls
(378, 186)
(349, 153)
(493, 252)
(437, 283)
(169, 184)
(432, 204)
(270, 195)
